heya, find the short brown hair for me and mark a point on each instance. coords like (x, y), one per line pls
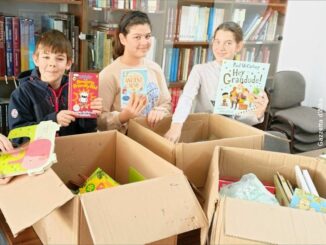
(56, 42)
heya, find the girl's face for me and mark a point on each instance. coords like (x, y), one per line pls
(225, 46)
(138, 41)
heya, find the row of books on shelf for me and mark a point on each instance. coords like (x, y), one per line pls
(151, 6)
(18, 37)
(177, 62)
(17, 44)
(257, 26)
(204, 20)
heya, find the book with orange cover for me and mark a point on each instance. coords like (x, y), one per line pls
(83, 88)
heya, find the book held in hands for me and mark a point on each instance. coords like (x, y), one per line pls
(132, 81)
(83, 88)
(240, 82)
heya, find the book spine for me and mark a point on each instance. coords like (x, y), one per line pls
(309, 182)
(16, 45)
(2, 47)
(9, 51)
(300, 179)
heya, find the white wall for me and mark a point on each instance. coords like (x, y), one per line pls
(304, 47)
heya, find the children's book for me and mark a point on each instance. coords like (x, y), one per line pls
(240, 82)
(34, 157)
(132, 81)
(83, 88)
(307, 201)
(97, 181)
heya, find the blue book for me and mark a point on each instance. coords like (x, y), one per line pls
(132, 81)
(210, 30)
(31, 43)
(9, 46)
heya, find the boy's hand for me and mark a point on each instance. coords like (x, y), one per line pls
(5, 144)
(65, 117)
(154, 116)
(97, 106)
(174, 132)
(135, 105)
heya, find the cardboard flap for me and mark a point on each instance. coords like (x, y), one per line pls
(142, 212)
(27, 199)
(273, 224)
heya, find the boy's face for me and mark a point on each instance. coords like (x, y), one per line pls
(51, 65)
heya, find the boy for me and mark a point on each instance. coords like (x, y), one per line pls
(43, 92)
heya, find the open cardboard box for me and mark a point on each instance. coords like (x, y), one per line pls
(246, 222)
(157, 208)
(200, 134)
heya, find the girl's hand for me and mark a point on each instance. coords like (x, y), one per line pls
(135, 105)
(261, 102)
(174, 132)
(97, 106)
(154, 116)
(5, 144)
(65, 117)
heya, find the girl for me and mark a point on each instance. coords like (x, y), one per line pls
(203, 80)
(132, 42)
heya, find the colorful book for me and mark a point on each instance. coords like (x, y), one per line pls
(307, 201)
(83, 88)
(97, 181)
(240, 82)
(132, 81)
(34, 157)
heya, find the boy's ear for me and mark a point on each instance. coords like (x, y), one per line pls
(69, 64)
(35, 59)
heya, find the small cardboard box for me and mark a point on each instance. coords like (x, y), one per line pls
(200, 134)
(143, 212)
(246, 222)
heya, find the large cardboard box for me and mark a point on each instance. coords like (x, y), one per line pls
(200, 134)
(157, 208)
(246, 222)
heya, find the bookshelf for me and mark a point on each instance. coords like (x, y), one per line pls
(261, 20)
(102, 20)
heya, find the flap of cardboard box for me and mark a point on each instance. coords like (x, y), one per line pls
(273, 224)
(27, 199)
(142, 212)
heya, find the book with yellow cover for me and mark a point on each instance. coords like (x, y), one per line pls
(97, 181)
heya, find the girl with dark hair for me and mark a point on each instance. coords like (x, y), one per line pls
(203, 80)
(131, 44)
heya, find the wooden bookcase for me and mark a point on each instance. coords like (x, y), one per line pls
(187, 33)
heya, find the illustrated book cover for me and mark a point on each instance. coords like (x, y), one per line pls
(240, 82)
(132, 81)
(34, 157)
(307, 201)
(83, 88)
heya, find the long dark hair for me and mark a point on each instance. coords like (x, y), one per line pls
(129, 19)
(232, 27)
